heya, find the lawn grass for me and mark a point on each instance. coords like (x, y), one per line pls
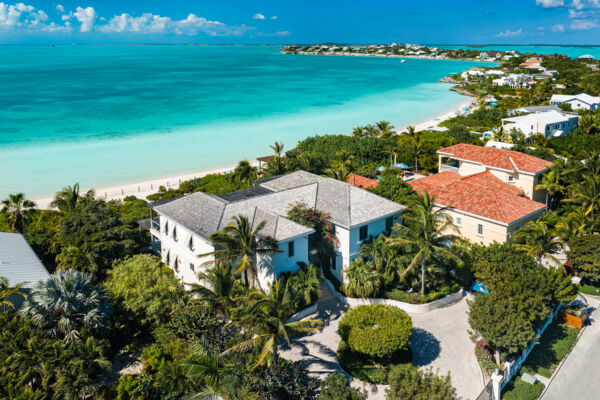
(518, 389)
(553, 346)
(368, 369)
(589, 289)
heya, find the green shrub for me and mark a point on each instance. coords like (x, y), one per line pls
(337, 387)
(521, 390)
(408, 382)
(416, 298)
(376, 330)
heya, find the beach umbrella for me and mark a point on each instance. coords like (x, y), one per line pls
(381, 169)
(401, 166)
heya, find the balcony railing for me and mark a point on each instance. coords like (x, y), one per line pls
(156, 225)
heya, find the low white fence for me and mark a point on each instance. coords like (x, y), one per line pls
(303, 313)
(408, 307)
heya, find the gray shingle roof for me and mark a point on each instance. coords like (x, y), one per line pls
(348, 206)
(18, 262)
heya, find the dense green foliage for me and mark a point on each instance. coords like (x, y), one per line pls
(337, 387)
(584, 253)
(408, 382)
(518, 389)
(376, 330)
(392, 187)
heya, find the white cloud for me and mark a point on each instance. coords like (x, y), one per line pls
(274, 17)
(583, 24)
(86, 17)
(508, 33)
(66, 17)
(585, 4)
(558, 28)
(258, 16)
(550, 3)
(60, 8)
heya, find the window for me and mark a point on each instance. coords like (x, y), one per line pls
(511, 178)
(167, 227)
(176, 264)
(458, 221)
(174, 233)
(291, 249)
(480, 229)
(168, 258)
(191, 266)
(363, 232)
(389, 222)
(191, 243)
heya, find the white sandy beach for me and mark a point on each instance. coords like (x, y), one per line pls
(141, 189)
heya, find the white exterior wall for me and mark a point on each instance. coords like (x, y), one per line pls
(531, 125)
(268, 266)
(577, 104)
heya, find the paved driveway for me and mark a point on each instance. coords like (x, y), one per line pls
(579, 376)
(440, 341)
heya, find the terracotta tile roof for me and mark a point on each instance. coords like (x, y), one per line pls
(362, 182)
(480, 194)
(497, 158)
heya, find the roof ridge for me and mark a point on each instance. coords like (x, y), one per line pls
(513, 163)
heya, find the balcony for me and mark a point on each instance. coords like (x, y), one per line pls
(449, 166)
(156, 225)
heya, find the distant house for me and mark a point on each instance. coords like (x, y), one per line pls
(19, 264)
(181, 232)
(586, 57)
(580, 101)
(532, 63)
(549, 123)
(490, 55)
(533, 109)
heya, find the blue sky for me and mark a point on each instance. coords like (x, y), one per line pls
(304, 21)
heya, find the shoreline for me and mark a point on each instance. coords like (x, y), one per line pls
(346, 54)
(144, 187)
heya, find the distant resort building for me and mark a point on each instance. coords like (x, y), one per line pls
(532, 63)
(181, 231)
(488, 191)
(580, 101)
(548, 123)
(19, 264)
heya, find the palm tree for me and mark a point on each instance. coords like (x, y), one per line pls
(218, 289)
(73, 257)
(7, 291)
(361, 279)
(216, 378)
(415, 145)
(69, 198)
(541, 141)
(245, 173)
(67, 302)
(359, 131)
(266, 317)
(18, 211)
(552, 183)
(385, 129)
(240, 246)
(538, 241)
(371, 130)
(339, 171)
(501, 135)
(425, 228)
(591, 162)
(382, 256)
(586, 194)
(572, 225)
(277, 148)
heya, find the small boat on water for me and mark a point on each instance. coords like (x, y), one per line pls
(402, 61)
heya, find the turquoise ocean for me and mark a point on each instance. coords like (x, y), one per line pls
(104, 115)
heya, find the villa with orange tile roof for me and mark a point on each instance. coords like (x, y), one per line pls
(483, 202)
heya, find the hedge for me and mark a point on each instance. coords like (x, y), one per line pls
(376, 330)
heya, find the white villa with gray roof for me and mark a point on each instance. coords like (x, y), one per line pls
(181, 231)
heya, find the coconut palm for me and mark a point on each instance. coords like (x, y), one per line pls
(339, 171)
(266, 318)
(215, 377)
(371, 130)
(69, 198)
(385, 129)
(67, 302)
(217, 290)
(501, 135)
(537, 240)
(305, 285)
(361, 279)
(586, 194)
(591, 162)
(425, 228)
(18, 211)
(415, 145)
(277, 148)
(541, 141)
(78, 258)
(359, 131)
(382, 256)
(7, 291)
(552, 183)
(240, 246)
(245, 173)
(572, 225)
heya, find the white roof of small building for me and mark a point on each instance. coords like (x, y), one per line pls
(18, 262)
(583, 97)
(548, 117)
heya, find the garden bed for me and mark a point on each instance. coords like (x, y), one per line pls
(553, 346)
(518, 389)
(416, 298)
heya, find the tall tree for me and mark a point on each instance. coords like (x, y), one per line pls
(537, 240)
(245, 173)
(18, 211)
(426, 228)
(415, 145)
(552, 184)
(240, 246)
(277, 148)
(217, 289)
(587, 194)
(385, 128)
(266, 317)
